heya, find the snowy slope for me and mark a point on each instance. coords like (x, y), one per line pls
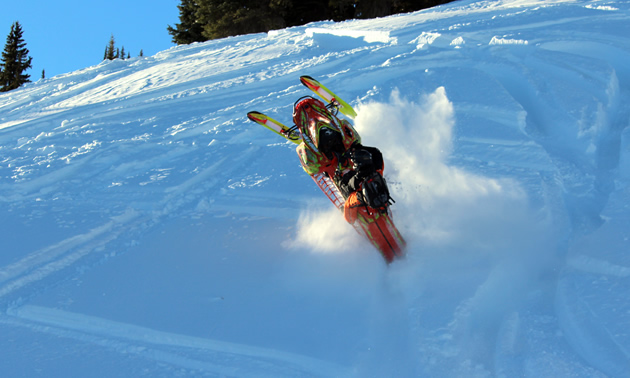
(150, 229)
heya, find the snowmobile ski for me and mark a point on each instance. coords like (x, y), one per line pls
(328, 95)
(289, 133)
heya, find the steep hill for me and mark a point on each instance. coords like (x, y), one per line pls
(150, 229)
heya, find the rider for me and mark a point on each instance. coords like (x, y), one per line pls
(332, 146)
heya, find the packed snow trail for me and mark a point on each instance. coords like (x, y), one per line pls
(150, 229)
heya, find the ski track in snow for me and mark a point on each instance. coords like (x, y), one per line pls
(214, 356)
(507, 149)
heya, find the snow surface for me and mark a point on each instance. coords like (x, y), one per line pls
(150, 229)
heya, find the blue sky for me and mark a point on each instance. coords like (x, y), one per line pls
(67, 35)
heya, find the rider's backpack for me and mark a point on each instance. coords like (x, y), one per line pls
(375, 192)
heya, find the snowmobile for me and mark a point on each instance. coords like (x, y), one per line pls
(349, 173)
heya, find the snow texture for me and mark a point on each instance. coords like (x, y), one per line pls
(149, 229)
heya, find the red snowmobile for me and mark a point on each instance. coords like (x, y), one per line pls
(349, 173)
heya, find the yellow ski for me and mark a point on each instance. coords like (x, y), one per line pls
(275, 126)
(328, 95)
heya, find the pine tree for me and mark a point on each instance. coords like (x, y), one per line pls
(15, 60)
(342, 9)
(43, 74)
(141, 53)
(223, 18)
(110, 50)
(189, 30)
(373, 8)
(122, 53)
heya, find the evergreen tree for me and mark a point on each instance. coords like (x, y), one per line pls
(110, 50)
(122, 53)
(141, 53)
(373, 8)
(15, 60)
(305, 11)
(342, 9)
(223, 18)
(189, 30)
(43, 74)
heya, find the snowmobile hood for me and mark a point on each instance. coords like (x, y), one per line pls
(311, 115)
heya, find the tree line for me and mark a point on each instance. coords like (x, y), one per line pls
(112, 52)
(203, 20)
